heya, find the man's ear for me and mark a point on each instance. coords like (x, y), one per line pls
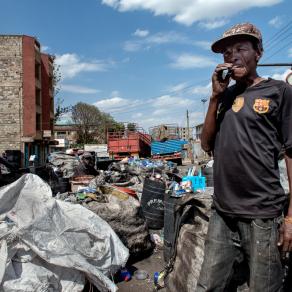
(259, 54)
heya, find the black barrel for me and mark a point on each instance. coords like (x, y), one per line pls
(60, 185)
(152, 203)
(169, 225)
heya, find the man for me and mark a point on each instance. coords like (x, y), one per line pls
(86, 166)
(246, 126)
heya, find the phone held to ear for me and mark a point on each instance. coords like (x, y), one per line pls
(225, 74)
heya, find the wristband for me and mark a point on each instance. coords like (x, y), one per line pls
(288, 219)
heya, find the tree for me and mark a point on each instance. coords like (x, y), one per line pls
(132, 126)
(60, 109)
(91, 123)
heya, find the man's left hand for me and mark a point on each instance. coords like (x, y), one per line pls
(285, 239)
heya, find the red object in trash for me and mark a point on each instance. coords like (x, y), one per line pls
(130, 192)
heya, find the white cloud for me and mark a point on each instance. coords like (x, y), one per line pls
(213, 24)
(159, 38)
(202, 90)
(78, 89)
(290, 52)
(206, 45)
(276, 21)
(110, 103)
(281, 76)
(137, 115)
(44, 48)
(167, 37)
(165, 109)
(170, 102)
(188, 61)
(141, 33)
(71, 65)
(132, 46)
(117, 104)
(177, 87)
(189, 11)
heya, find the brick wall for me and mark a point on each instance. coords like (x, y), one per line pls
(10, 92)
(29, 87)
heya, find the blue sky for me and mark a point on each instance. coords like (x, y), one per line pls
(144, 61)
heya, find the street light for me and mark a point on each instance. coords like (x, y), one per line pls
(204, 100)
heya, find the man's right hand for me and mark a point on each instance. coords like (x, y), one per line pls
(218, 84)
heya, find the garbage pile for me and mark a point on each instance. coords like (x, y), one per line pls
(63, 163)
(88, 233)
(50, 245)
(115, 195)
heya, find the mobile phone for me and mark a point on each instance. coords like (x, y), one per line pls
(225, 74)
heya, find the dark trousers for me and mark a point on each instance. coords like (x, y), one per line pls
(231, 240)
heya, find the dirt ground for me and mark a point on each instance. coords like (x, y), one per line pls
(152, 264)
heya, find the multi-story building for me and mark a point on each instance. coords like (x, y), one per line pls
(183, 133)
(26, 96)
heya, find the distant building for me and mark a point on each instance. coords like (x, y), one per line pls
(183, 133)
(26, 96)
(186, 133)
(66, 135)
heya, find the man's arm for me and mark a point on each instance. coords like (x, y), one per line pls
(218, 88)
(209, 128)
(286, 229)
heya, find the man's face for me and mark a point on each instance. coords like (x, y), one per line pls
(88, 161)
(243, 57)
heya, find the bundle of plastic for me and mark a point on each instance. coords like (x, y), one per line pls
(46, 244)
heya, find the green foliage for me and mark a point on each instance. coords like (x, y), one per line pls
(60, 109)
(91, 123)
(132, 126)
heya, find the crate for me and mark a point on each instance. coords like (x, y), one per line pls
(80, 182)
(198, 182)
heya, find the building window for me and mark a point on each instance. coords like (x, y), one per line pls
(61, 135)
(52, 104)
(38, 96)
(37, 71)
(38, 122)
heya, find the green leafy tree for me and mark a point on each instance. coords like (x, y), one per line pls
(60, 109)
(91, 123)
(132, 126)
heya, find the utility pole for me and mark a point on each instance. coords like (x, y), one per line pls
(188, 126)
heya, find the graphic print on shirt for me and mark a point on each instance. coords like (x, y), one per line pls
(238, 104)
(261, 105)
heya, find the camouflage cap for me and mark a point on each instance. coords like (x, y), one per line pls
(242, 29)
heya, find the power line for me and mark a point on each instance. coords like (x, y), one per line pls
(148, 101)
(282, 48)
(285, 37)
(278, 34)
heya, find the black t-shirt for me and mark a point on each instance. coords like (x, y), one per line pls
(253, 125)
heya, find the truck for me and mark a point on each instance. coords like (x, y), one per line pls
(128, 142)
(167, 143)
(173, 150)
